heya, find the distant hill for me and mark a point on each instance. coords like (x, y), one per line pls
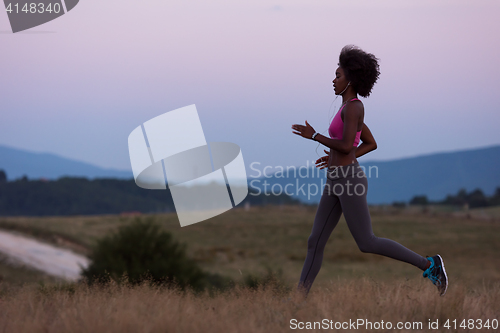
(17, 163)
(433, 175)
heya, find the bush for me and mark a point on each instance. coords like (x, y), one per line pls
(419, 200)
(141, 251)
(495, 198)
(477, 199)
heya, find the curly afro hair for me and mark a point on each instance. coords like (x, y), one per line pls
(360, 68)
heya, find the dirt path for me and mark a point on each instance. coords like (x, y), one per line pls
(47, 258)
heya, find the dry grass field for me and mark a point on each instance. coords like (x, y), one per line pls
(149, 309)
(350, 286)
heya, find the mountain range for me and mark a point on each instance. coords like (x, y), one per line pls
(18, 163)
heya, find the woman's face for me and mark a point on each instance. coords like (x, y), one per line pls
(340, 82)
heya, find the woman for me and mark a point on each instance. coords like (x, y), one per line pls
(346, 186)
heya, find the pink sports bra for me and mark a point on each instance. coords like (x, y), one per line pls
(336, 129)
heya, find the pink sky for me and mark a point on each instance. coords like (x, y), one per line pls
(253, 68)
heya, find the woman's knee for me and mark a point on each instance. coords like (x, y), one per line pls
(365, 248)
(368, 246)
(314, 243)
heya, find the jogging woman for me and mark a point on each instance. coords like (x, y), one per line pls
(346, 187)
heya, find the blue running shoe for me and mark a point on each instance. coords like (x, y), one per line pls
(437, 274)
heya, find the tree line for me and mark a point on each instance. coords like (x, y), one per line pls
(82, 196)
(472, 199)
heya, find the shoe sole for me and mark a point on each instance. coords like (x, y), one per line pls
(445, 275)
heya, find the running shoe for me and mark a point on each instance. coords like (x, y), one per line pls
(437, 274)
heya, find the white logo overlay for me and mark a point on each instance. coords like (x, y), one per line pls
(205, 180)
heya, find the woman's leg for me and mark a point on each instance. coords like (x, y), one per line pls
(357, 216)
(327, 217)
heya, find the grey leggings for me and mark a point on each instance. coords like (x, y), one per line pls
(345, 192)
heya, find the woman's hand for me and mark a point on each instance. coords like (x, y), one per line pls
(305, 131)
(322, 162)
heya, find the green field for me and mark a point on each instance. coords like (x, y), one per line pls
(350, 286)
(274, 238)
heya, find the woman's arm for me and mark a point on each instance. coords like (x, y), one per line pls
(368, 142)
(352, 113)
